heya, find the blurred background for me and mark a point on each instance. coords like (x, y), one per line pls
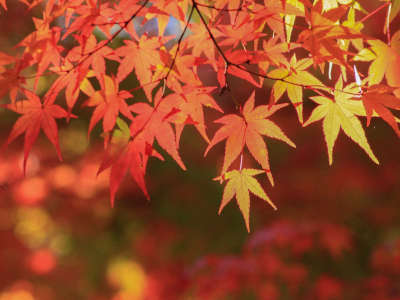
(336, 234)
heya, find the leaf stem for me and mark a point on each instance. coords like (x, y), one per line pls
(374, 12)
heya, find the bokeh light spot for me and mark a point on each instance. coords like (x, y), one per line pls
(30, 191)
(128, 276)
(42, 261)
(33, 226)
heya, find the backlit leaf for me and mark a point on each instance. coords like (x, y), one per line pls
(240, 182)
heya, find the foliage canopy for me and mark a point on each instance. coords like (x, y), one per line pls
(298, 51)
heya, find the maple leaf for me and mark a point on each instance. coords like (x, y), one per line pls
(200, 42)
(189, 108)
(355, 25)
(236, 59)
(248, 130)
(129, 159)
(184, 69)
(109, 101)
(340, 113)
(240, 182)
(152, 123)
(175, 8)
(143, 57)
(272, 12)
(87, 15)
(35, 116)
(166, 9)
(77, 66)
(386, 59)
(293, 81)
(378, 98)
(41, 46)
(321, 40)
(71, 81)
(271, 54)
(74, 67)
(127, 154)
(231, 36)
(11, 80)
(242, 32)
(98, 53)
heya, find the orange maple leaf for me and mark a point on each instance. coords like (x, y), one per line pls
(109, 101)
(244, 31)
(378, 98)
(143, 57)
(248, 129)
(321, 40)
(201, 43)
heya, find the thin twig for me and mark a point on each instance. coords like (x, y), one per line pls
(229, 63)
(375, 11)
(179, 43)
(123, 27)
(219, 9)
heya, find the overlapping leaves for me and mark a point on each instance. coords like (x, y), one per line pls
(340, 112)
(74, 47)
(247, 130)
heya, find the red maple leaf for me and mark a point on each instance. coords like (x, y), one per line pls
(35, 116)
(11, 80)
(152, 123)
(143, 57)
(129, 159)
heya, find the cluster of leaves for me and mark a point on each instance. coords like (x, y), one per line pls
(298, 45)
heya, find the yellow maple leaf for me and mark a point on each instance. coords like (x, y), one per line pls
(240, 182)
(340, 112)
(386, 61)
(293, 81)
(290, 19)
